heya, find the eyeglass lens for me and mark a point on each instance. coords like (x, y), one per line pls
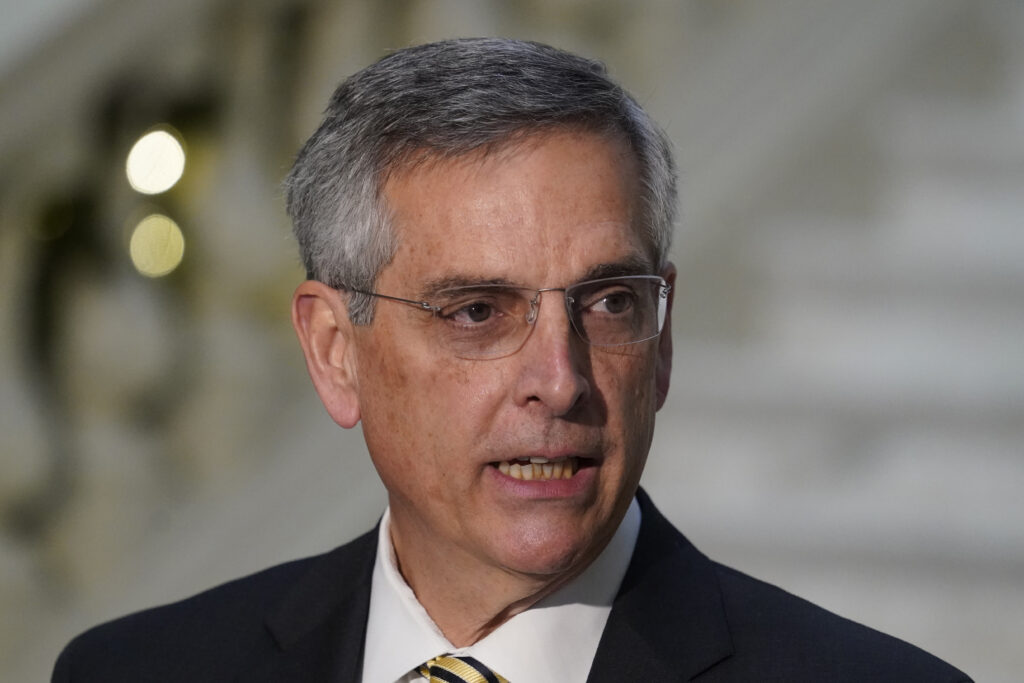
(488, 321)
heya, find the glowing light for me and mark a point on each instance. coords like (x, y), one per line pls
(157, 246)
(155, 162)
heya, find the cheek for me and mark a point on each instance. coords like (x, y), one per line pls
(629, 389)
(419, 413)
(390, 414)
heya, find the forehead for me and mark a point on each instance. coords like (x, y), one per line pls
(543, 211)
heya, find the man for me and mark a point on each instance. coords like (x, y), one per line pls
(486, 224)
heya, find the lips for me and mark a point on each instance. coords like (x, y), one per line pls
(539, 468)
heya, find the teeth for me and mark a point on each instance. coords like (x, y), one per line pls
(540, 469)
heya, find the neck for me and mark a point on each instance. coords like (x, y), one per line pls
(465, 600)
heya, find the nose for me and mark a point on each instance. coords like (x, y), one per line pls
(553, 361)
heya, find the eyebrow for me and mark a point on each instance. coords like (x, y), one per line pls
(631, 265)
(433, 287)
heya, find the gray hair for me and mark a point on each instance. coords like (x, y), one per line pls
(439, 101)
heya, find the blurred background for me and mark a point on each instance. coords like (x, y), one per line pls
(847, 411)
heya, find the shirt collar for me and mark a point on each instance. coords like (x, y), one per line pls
(555, 640)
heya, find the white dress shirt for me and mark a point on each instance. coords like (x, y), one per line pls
(555, 640)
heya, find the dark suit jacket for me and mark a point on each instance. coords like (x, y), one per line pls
(678, 616)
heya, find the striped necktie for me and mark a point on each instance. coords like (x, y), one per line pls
(451, 669)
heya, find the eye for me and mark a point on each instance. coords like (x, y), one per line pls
(476, 312)
(614, 303)
(614, 300)
(477, 307)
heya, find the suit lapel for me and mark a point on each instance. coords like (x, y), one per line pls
(667, 622)
(319, 626)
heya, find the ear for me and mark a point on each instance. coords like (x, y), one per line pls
(663, 369)
(320, 318)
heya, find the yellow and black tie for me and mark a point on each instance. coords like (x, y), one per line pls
(451, 669)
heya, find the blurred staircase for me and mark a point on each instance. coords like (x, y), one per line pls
(856, 433)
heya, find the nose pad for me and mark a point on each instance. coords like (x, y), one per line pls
(570, 303)
(531, 315)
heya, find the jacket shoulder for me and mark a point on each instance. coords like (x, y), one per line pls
(202, 637)
(777, 634)
(715, 624)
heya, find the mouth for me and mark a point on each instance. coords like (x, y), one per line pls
(539, 468)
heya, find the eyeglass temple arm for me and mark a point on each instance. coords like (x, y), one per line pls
(418, 304)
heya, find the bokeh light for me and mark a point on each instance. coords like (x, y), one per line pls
(157, 246)
(155, 162)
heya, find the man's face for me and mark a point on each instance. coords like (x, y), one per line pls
(548, 212)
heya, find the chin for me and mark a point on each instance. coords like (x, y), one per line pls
(544, 553)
